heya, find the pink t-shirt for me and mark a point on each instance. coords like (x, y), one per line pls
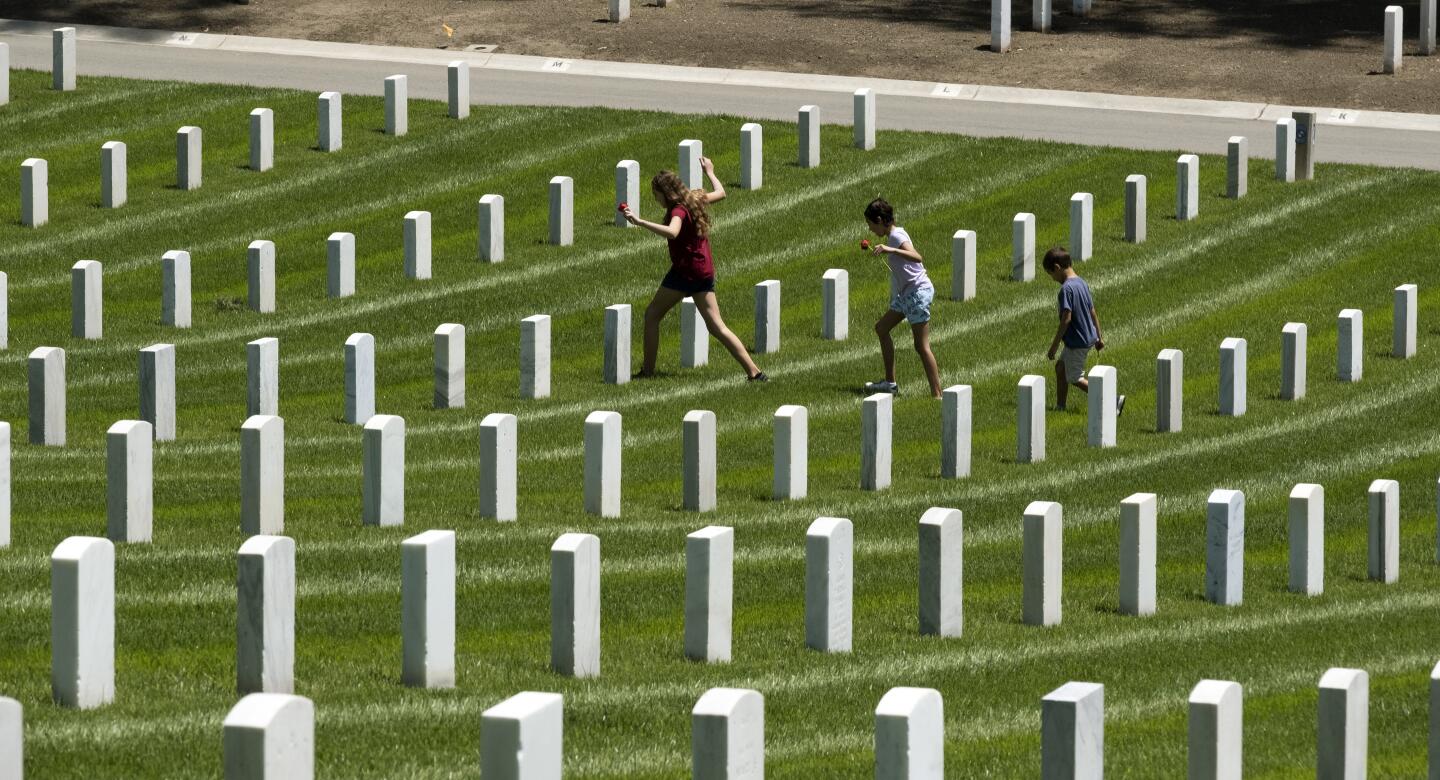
(906, 275)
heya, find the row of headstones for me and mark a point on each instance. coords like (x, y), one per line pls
(729, 724)
(1233, 390)
(1042, 19)
(83, 590)
(262, 439)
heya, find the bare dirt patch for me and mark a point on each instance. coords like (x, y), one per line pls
(1315, 52)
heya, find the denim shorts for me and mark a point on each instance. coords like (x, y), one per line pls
(915, 305)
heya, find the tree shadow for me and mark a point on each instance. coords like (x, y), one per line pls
(164, 15)
(1287, 23)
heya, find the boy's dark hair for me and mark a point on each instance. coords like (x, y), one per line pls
(880, 211)
(1057, 257)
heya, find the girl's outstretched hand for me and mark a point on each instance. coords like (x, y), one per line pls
(628, 214)
(706, 165)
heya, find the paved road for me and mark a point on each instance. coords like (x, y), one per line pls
(1370, 137)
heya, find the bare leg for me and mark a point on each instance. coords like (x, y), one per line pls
(709, 309)
(921, 334)
(883, 326)
(664, 300)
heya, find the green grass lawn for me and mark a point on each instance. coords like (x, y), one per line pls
(1298, 252)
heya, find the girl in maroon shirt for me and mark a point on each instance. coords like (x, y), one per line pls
(692, 271)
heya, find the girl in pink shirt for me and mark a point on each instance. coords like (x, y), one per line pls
(692, 270)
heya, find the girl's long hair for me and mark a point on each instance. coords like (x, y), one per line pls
(673, 192)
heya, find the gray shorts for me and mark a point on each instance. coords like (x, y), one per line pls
(1074, 360)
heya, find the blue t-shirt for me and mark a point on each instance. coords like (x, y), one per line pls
(1075, 298)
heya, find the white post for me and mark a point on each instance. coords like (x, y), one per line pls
(262, 475)
(694, 336)
(450, 366)
(359, 378)
(1285, 150)
(417, 245)
(189, 162)
(82, 622)
(942, 572)
(1350, 349)
(383, 471)
(265, 616)
(175, 289)
(752, 156)
(270, 736)
(829, 584)
(1104, 384)
(999, 26)
(809, 127)
(791, 453)
(709, 593)
(562, 211)
(129, 481)
(1022, 247)
(1427, 28)
(955, 428)
(1137, 554)
(491, 243)
(1233, 392)
(1216, 731)
(1237, 167)
(498, 470)
(262, 139)
(330, 128)
(262, 358)
(1402, 342)
(86, 301)
(1394, 58)
(1187, 187)
(1072, 732)
(910, 735)
(261, 272)
(397, 106)
(876, 423)
(602, 464)
(727, 735)
(46, 378)
(575, 605)
(1294, 339)
(1342, 739)
(767, 316)
(699, 461)
(1225, 547)
(4, 85)
(1169, 391)
(12, 734)
(5, 448)
(835, 305)
(864, 119)
(62, 59)
(113, 175)
(619, 10)
(535, 356)
(1082, 226)
(427, 610)
(1384, 537)
(1042, 15)
(690, 152)
(1136, 186)
(340, 265)
(521, 738)
(617, 344)
(1307, 539)
(4, 311)
(34, 192)
(1042, 559)
(962, 265)
(457, 78)
(1030, 419)
(627, 188)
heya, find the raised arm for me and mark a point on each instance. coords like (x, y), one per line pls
(717, 190)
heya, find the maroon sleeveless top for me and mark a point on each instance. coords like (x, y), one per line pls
(689, 251)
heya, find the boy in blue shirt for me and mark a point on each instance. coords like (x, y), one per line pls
(1079, 329)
